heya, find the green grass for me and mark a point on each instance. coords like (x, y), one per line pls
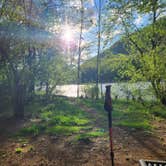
(91, 134)
(159, 111)
(18, 150)
(62, 117)
(63, 130)
(129, 114)
(58, 118)
(33, 130)
(96, 104)
(134, 124)
(68, 120)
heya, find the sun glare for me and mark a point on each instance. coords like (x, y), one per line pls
(67, 34)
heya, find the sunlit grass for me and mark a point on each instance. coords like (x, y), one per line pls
(135, 124)
(65, 118)
(91, 134)
(63, 130)
(58, 118)
(128, 113)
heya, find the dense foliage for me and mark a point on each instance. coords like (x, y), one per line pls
(30, 56)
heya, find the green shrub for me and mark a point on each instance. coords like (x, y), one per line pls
(91, 91)
(31, 130)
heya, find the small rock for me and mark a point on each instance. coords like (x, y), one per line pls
(4, 155)
(43, 139)
(161, 138)
(23, 145)
(53, 138)
(118, 148)
(164, 145)
(133, 129)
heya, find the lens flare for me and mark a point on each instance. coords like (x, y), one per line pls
(67, 34)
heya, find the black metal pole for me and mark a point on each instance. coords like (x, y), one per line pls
(108, 108)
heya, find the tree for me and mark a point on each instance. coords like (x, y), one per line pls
(146, 45)
(98, 52)
(22, 37)
(79, 47)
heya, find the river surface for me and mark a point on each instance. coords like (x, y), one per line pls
(121, 90)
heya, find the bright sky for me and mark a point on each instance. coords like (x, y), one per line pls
(70, 33)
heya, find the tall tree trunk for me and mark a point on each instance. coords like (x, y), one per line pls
(18, 89)
(79, 50)
(31, 51)
(98, 51)
(19, 101)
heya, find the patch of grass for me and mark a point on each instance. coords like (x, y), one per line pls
(88, 135)
(159, 111)
(129, 114)
(132, 115)
(22, 140)
(91, 134)
(18, 150)
(33, 109)
(134, 124)
(33, 130)
(97, 104)
(47, 115)
(64, 130)
(60, 117)
(68, 120)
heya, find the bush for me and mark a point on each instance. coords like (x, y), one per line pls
(31, 130)
(91, 91)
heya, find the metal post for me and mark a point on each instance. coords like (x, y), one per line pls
(108, 108)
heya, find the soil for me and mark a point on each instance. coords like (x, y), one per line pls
(130, 145)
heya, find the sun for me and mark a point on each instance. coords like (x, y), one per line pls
(67, 34)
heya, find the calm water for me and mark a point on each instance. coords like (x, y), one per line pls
(118, 89)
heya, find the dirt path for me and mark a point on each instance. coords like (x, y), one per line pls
(129, 147)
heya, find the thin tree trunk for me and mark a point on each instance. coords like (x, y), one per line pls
(79, 50)
(98, 51)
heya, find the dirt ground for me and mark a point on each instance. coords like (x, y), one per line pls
(130, 145)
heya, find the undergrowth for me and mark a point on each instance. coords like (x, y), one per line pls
(63, 117)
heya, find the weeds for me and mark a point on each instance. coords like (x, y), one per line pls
(91, 134)
(63, 130)
(64, 118)
(18, 150)
(32, 130)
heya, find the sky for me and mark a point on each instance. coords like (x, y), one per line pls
(90, 33)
